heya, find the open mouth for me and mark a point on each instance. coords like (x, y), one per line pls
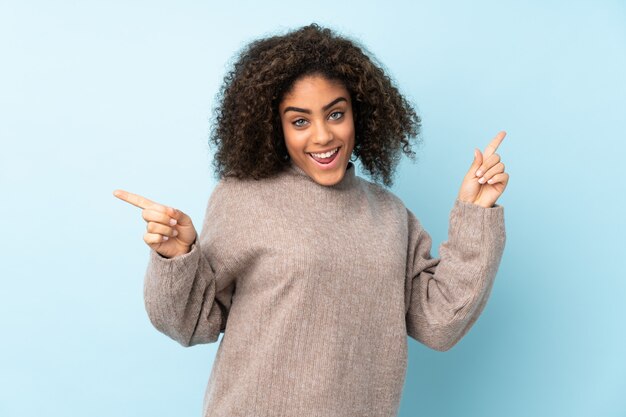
(328, 159)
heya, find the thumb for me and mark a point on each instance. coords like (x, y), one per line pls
(181, 218)
(478, 160)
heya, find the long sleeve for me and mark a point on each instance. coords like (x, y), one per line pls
(186, 297)
(446, 295)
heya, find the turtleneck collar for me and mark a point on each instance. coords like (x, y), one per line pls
(349, 179)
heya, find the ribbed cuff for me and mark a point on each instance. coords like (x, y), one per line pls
(177, 265)
(473, 223)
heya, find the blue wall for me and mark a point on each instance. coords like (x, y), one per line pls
(96, 96)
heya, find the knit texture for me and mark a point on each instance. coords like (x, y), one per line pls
(315, 289)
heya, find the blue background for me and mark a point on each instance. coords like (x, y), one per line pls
(96, 96)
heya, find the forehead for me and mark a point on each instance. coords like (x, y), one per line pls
(315, 87)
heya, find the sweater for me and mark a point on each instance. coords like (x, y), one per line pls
(315, 289)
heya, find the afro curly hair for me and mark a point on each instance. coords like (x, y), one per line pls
(247, 130)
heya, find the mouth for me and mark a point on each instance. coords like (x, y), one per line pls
(324, 155)
(326, 162)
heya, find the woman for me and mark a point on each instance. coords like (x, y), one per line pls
(314, 275)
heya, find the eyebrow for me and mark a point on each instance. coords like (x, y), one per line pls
(335, 101)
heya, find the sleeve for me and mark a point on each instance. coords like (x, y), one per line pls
(186, 297)
(446, 295)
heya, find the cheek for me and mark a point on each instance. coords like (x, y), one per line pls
(347, 128)
(294, 140)
(287, 134)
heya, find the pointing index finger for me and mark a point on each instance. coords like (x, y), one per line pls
(493, 145)
(134, 199)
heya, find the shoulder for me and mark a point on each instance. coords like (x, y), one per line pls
(384, 198)
(224, 205)
(235, 202)
(230, 194)
(229, 214)
(404, 218)
(381, 193)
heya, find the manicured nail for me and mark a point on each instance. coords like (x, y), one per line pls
(481, 180)
(175, 233)
(490, 181)
(479, 173)
(165, 237)
(172, 222)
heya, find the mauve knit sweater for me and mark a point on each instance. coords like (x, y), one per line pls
(316, 289)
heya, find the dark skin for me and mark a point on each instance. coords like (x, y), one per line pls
(170, 232)
(486, 180)
(317, 116)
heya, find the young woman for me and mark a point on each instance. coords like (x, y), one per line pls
(314, 275)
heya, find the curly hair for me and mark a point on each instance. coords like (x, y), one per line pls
(247, 128)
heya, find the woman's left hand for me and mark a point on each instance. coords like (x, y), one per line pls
(486, 179)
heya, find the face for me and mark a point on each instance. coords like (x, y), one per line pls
(316, 116)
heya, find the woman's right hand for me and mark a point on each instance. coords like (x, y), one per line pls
(167, 239)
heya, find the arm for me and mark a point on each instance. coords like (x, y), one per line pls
(445, 296)
(185, 297)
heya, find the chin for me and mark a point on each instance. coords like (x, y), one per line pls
(327, 183)
(329, 179)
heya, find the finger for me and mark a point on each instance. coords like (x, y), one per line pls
(499, 178)
(135, 199)
(487, 164)
(179, 216)
(161, 229)
(155, 215)
(496, 169)
(152, 238)
(478, 159)
(493, 146)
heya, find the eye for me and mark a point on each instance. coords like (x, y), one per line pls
(337, 112)
(295, 122)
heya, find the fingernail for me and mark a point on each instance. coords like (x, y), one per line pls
(165, 237)
(479, 173)
(175, 233)
(172, 222)
(482, 180)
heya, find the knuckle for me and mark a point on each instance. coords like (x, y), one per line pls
(153, 227)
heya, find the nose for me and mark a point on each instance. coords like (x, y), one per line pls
(322, 134)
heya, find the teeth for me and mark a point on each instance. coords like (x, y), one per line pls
(325, 155)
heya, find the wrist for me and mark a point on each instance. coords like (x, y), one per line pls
(476, 203)
(182, 252)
